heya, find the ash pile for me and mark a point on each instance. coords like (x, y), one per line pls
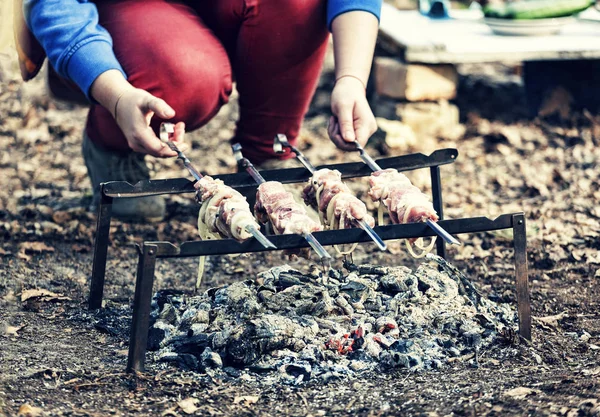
(295, 327)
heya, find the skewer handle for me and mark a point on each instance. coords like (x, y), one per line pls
(262, 239)
(166, 129)
(367, 158)
(246, 164)
(441, 232)
(374, 236)
(281, 142)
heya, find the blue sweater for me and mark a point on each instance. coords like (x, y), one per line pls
(80, 49)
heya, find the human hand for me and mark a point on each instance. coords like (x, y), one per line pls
(352, 117)
(133, 112)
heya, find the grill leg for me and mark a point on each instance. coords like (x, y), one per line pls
(523, 301)
(436, 192)
(100, 251)
(142, 300)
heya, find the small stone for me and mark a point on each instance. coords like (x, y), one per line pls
(585, 337)
(210, 359)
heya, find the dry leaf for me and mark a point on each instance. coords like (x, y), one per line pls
(28, 247)
(43, 295)
(246, 399)
(80, 248)
(12, 330)
(2, 252)
(551, 321)
(188, 405)
(520, 392)
(27, 410)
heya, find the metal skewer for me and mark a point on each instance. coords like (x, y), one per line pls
(281, 142)
(439, 230)
(166, 130)
(251, 169)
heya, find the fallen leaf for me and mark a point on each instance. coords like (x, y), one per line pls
(80, 248)
(12, 330)
(43, 295)
(520, 392)
(188, 405)
(27, 410)
(3, 252)
(246, 399)
(35, 247)
(551, 321)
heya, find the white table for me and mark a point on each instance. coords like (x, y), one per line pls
(466, 39)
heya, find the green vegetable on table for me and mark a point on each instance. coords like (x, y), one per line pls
(537, 9)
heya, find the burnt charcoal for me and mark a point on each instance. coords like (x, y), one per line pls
(232, 372)
(263, 335)
(155, 336)
(167, 296)
(169, 314)
(335, 274)
(298, 370)
(184, 361)
(195, 344)
(373, 270)
(402, 346)
(297, 327)
(289, 278)
(472, 339)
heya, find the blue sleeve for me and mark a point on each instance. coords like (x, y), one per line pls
(78, 48)
(337, 7)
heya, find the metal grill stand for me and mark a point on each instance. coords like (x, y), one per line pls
(149, 252)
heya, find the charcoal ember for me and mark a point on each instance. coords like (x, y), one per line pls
(265, 334)
(389, 316)
(386, 324)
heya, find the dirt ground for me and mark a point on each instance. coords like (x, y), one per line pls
(58, 359)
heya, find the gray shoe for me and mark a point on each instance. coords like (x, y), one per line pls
(104, 166)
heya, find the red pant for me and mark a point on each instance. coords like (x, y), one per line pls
(186, 53)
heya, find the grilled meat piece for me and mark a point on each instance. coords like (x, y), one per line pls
(275, 204)
(337, 207)
(405, 202)
(224, 211)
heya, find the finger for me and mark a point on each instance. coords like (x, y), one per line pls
(346, 123)
(363, 133)
(146, 140)
(331, 127)
(178, 133)
(160, 107)
(338, 141)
